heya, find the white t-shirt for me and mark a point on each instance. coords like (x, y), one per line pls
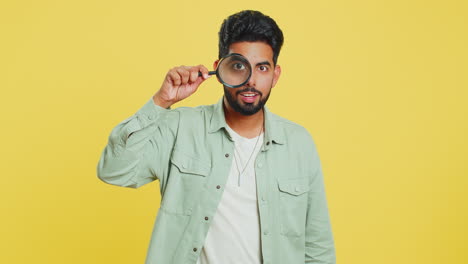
(234, 234)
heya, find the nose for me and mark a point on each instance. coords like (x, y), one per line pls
(251, 82)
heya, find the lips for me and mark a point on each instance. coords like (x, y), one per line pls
(249, 97)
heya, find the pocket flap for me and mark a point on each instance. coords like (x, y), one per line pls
(294, 186)
(189, 164)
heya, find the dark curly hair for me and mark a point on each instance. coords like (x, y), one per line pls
(250, 25)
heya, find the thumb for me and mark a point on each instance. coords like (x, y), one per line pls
(201, 79)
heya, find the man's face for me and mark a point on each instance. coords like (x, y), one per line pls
(251, 97)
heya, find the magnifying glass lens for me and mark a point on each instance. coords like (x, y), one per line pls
(234, 71)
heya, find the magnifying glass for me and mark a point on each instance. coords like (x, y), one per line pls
(233, 70)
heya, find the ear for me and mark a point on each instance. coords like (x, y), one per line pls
(276, 75)
(215, 64)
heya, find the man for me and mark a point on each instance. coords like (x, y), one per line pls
(239, 184)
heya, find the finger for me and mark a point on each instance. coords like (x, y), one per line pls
(197, 83)
(184, 74)
(174, 77)
(193, 74)
(204, 71)
(205, 75)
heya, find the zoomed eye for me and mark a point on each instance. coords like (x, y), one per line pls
(238, 66)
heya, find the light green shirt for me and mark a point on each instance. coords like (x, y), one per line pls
(190, 152)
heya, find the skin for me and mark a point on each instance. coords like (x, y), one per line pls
(183, 81)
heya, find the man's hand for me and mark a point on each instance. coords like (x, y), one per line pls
(180, 83)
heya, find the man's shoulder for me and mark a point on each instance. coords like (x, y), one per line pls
(194, 116)
(194, 111)
(292, 131)
(287, 125)
(284, 122)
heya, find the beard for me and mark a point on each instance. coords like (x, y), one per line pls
(245, 108)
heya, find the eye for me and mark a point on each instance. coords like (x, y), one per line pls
(238, 66)
(263, 68)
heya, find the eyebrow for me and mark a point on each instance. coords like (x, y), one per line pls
(264, 63)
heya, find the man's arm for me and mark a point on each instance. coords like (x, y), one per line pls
(319, 242)
(139, 148)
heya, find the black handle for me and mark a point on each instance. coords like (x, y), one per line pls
(209, 73)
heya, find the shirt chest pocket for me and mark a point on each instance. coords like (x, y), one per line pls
(187, 178)
(190, 164)
(293, 198)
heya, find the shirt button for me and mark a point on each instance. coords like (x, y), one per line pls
(206, 218)
(268, 143)
(265, 232)
(263, 198)
(297, 188)
(227, 155)
(194, 249)
(260, 165)
(218, 187)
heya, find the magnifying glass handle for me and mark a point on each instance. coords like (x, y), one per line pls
(209, 73)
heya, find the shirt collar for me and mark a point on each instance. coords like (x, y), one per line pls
(273, 133)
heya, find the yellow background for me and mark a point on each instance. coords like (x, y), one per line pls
(381, 85)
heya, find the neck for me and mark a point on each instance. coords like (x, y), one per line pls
(246, 126)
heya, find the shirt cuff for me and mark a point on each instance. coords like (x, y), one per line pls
(150, 112)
